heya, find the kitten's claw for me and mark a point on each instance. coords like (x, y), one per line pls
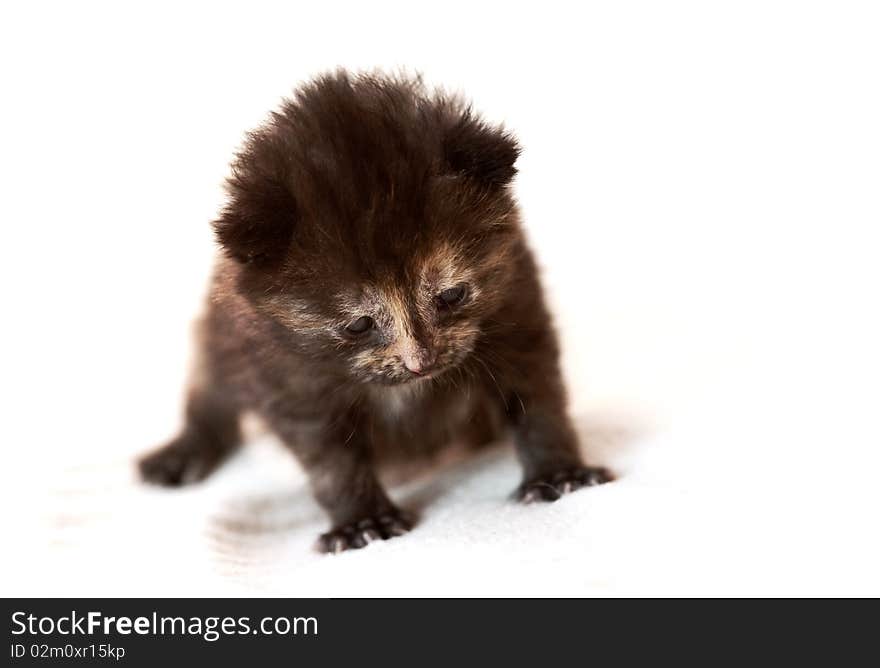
(370, 535)
(360, 534)
(552, 487)
(395, 526)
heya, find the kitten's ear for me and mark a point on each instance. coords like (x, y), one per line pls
(479, 150)
(258, 222)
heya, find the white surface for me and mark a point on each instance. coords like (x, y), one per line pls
(700, 183)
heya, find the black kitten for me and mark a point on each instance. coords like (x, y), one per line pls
(376, 299)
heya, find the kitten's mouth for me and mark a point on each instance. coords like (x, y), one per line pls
(413, 378)
(408, 378)
(422, 376)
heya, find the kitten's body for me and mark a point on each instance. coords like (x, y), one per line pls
(377, 302)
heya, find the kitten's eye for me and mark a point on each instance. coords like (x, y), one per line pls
(360, 326)
(451, 296)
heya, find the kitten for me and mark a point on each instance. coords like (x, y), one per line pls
(376, 299)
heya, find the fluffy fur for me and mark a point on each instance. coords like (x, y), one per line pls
(375, 300)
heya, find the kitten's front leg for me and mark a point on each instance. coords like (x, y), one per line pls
(547, 449)
(336, 457)
(545, 439)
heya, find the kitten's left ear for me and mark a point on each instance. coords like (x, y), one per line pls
(477, 149)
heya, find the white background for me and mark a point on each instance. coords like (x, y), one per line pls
(700, 182)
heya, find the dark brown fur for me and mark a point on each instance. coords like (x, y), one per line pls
(368, 196)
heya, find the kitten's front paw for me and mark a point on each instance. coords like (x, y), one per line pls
(363, 532)
(551, 487)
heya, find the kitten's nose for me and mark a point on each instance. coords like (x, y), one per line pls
(419, 361)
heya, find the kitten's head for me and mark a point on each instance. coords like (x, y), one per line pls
(373, 221)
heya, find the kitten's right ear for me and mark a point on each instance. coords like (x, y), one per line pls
(256, 227)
